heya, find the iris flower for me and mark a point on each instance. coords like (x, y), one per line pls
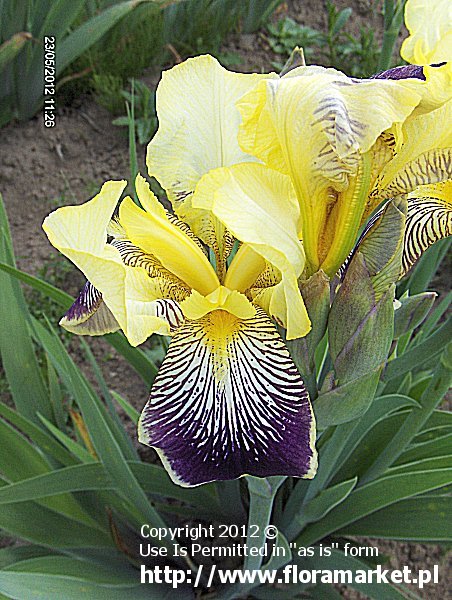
(227, 400)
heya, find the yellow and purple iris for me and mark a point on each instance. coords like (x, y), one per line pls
(270, 179)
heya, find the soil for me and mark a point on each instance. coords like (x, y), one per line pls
(41, 169)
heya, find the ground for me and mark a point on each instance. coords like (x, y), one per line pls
(41, 169)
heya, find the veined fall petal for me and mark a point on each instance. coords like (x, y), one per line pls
(429, 220)
(80, 233)
(228, 401)
(89, 315)
(424, 157)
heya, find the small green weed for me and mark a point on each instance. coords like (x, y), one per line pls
(286, 33)
(144, 111)
(108, 90)
(355, 56)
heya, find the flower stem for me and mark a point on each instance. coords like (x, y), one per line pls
(262, 495)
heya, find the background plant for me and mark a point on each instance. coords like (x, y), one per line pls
(21, 88)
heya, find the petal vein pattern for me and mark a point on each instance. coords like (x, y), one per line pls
(228, 401)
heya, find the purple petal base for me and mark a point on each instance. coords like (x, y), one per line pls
(89, 315)
(405, 72)
(86, 303)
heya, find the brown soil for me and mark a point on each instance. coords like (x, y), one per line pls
(41, 169)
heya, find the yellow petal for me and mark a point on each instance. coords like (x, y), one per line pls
(155, 233)
(430, 26)
(258, 206)
(316, 126)
(197, 306)
(80, 233)
(198, 126)
(198, 123)
(244, 269)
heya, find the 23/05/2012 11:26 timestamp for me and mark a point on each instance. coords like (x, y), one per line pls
(49, 81)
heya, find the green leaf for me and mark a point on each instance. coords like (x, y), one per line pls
(13, 554)
(432, 396)
(106, 445)
(123, 573)
(20, 460)
(422, 274)
(119, 430)
(434, 317)
(78, 451)
(94, 476)
(41, 586)
(40, 525)
(373, 496)
(63, 299)
(11, 48)
(421, 353)
(43, 441)
(412, 312)
(382, 407)
(87, 34)
(330, 450)
(130, 411)
(341, 20)
(56, 396)
(436, 447)
(426, 464)
(318, 507)
(16, 349)
(323, 591)
(418, 519)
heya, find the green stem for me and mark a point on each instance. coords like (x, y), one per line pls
(432, 396)
(262, 494)
(228, 493)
